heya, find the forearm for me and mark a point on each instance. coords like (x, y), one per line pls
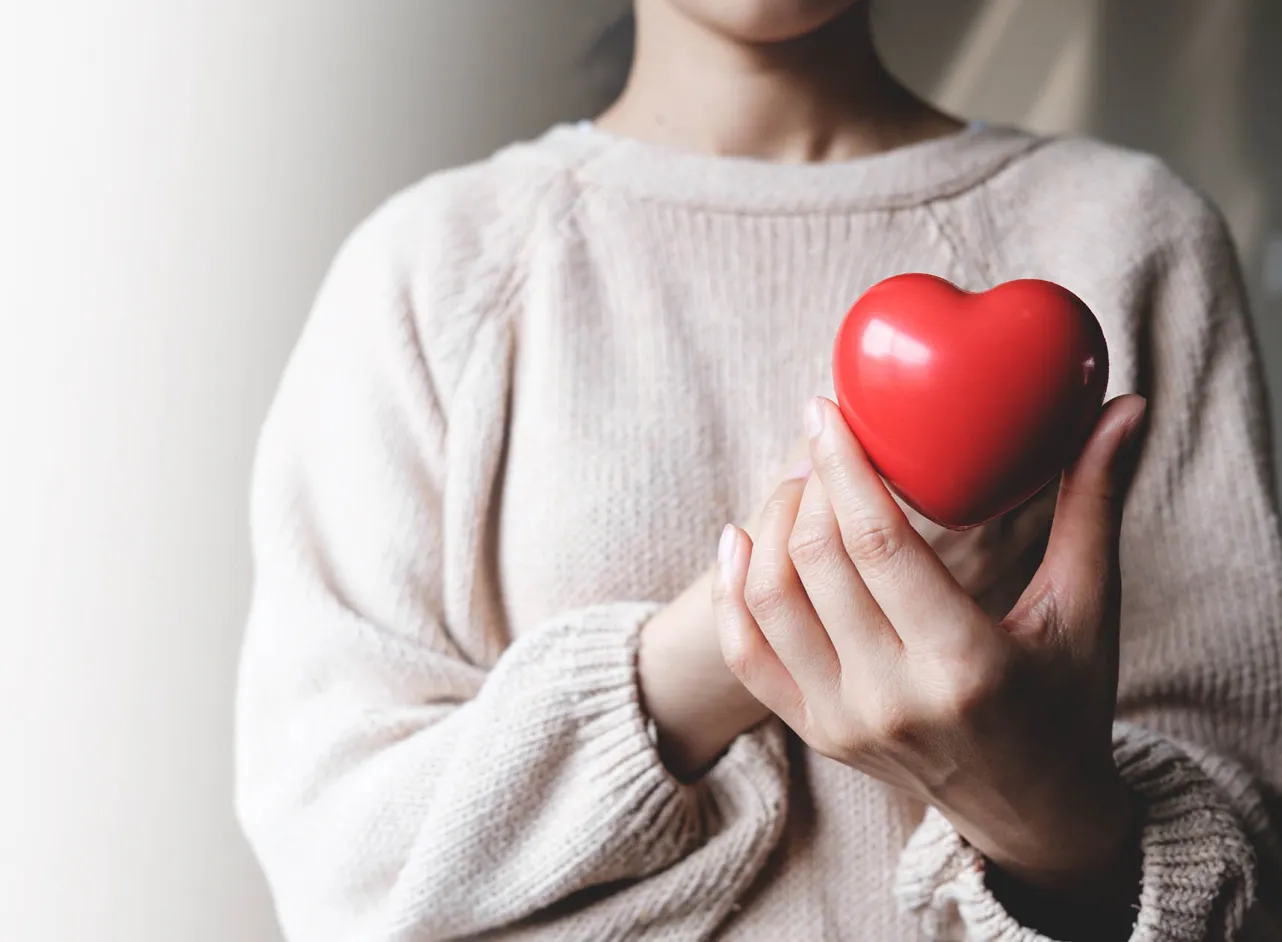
(369, 814)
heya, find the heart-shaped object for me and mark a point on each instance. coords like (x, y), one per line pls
(968, 404)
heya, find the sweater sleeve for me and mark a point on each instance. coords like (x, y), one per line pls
(396, 785)
(1199, 731)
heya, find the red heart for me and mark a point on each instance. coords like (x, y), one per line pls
(969, 404)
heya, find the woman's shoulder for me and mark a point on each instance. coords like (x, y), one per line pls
(1119, 191)
(1098, 213)
(447, 221)
(442, 254)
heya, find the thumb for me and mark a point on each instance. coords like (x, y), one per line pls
(1081, 561)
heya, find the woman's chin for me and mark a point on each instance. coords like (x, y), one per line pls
(766, 21)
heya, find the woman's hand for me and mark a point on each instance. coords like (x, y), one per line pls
(843, 622)
(697, 705)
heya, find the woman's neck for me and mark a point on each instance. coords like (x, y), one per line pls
(823, 97)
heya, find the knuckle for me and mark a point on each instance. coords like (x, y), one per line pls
(811, 545)
(874, 542)
(889, 725)
(782, 501)
(826, 746)
(763, 594)
(970, 690)
(826, 740)
(832, 463)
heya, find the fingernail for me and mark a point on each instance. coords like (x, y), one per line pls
(814, 418)
(1126, 457)
(725, 548)
(1131, 437)
(799, 471)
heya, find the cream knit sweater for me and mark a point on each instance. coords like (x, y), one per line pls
(530, 394)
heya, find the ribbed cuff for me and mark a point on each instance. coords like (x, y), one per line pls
(1198, 870)
(652, 818)
(648, 818)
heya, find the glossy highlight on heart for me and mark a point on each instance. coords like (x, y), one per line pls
(969, 403)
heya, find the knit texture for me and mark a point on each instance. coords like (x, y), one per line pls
(530, 394)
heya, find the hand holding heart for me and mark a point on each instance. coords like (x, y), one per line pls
(840, 619)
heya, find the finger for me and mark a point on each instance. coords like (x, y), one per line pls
(855, 623)
(912, 587)
(746, 651)
(1080, 567)
(797, 467)
(777, 600)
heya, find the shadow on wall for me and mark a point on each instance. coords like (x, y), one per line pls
(1197, 82)
(610, 58)
(1262, 134)
(1200, 83)
(920, 40)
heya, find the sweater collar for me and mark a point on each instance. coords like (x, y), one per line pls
(898, 178)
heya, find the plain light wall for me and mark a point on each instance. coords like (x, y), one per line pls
(174, 178)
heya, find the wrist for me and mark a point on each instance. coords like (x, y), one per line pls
(1085, 884)
(1083, 851)
(1068, 913)
(1058, 827)
(695, 703)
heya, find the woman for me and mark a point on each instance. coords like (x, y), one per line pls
(485, 686)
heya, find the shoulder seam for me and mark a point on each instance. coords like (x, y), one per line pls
(487, 299)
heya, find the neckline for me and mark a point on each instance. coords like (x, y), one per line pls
(898, 178)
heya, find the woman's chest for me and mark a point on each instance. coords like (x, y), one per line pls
(656, 396)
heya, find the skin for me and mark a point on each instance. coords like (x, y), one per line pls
(842, 621)
(783, 80)
(828, 609)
